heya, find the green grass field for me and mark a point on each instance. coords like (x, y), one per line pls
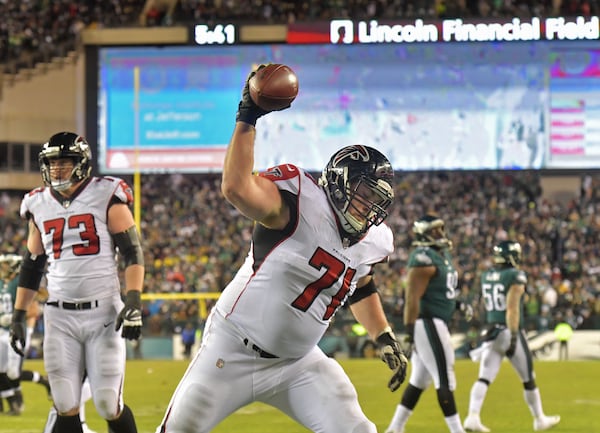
(568, 388)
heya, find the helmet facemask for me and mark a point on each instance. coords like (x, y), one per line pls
(365, 204)
(508, 253)
(358, 183)
(65, 145)
(430, 232)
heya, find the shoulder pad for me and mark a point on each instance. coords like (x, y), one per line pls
(281, 172)
(120, 190)
(421, 257)
(381, 244)
(285, 176)
(521, 277)
(28, 199)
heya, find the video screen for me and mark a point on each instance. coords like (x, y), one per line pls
(459, 106)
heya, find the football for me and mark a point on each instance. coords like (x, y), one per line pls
(273, 87)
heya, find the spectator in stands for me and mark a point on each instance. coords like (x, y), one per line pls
(563, 332)
(32, 32)
(174, 204)
(188, 339)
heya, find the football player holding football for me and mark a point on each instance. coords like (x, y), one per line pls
(314, 246)
(502, 288)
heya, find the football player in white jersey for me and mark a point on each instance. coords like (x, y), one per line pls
(313, 248)
(75, 223)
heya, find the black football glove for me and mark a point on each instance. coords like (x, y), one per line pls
(392, 355)
(513, 344)
(18, 331)
(408, 342)
(131, 316)
(248, 111)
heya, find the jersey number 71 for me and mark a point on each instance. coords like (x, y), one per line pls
(334, 270)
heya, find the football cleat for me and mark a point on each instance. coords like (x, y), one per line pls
(392, 430)
(473, 423)
(545, 422)
(15, 406)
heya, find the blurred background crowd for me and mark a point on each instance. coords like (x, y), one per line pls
(38, 30)
(194, 240)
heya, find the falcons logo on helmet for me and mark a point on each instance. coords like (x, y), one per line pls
(356, 152)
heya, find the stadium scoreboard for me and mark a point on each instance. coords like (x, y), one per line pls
(450, 94)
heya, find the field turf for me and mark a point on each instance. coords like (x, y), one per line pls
(567, 388)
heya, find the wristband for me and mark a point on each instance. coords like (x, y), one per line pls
(19, 315)
(134, 298)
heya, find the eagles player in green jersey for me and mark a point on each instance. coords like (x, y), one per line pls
(502, 289)
(430, 302)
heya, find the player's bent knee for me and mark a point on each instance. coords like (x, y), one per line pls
(66, 400)
(107, 403)
(194, 410)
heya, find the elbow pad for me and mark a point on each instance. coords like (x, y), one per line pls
(32, 271)
(130, 246)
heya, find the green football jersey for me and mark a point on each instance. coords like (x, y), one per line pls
(495, 283)
(8, 292)
(439, 299)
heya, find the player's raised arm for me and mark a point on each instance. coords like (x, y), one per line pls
(256, 197)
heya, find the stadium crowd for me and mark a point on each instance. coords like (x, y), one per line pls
(194, 240)
(37, 31)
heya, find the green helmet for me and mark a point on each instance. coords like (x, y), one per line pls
(508, 252)
(429, 232)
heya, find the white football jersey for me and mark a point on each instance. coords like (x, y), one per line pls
(82, 262)
(293, 281)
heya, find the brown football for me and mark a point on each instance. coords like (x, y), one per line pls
(274, 87)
